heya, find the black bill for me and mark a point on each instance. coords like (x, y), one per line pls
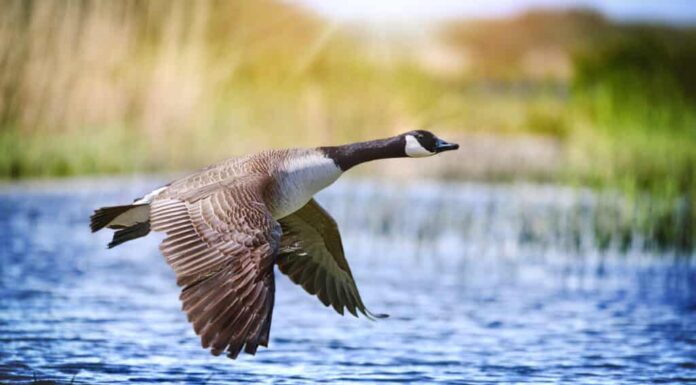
(441, 146)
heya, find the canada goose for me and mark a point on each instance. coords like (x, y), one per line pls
(228, 224)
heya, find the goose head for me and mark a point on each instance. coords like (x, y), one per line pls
(421, 143)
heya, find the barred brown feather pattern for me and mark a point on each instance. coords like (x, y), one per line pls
(221, 242)
(238, 167)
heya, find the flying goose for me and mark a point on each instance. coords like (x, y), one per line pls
(228, 224)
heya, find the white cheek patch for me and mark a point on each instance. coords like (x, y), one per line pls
(414, 148)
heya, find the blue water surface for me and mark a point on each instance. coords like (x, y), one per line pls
(484, 284)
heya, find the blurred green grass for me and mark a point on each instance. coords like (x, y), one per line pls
(636, 98)
(94, 87)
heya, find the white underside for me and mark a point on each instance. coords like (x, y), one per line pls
(300, 178)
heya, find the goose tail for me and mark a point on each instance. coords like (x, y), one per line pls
(130, 221)
(129, 233)
(105, 215)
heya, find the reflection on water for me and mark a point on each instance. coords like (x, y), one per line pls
(484, 285)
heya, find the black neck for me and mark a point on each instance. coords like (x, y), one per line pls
(350, 155)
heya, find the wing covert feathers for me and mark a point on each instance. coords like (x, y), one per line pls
(221, 243)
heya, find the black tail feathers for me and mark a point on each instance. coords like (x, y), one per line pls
(104, 215)
(124, 235)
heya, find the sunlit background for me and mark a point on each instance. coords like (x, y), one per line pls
(592, 93)
(572, 196)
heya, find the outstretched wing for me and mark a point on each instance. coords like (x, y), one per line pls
(221, 241)
(311, 254)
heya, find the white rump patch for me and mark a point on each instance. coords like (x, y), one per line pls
(139, 213)
(414, 149)
(149, 197)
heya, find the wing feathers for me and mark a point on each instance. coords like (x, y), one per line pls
(311, 254)
(307, 278)
(221, 242)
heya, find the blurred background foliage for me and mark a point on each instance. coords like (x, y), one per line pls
(563, 96)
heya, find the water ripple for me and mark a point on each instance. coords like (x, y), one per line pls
(484, 284)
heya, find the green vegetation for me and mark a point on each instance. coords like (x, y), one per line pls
(629, 120)
(637, 96)
(92, 87)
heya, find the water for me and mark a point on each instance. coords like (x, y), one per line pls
(484, 284)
